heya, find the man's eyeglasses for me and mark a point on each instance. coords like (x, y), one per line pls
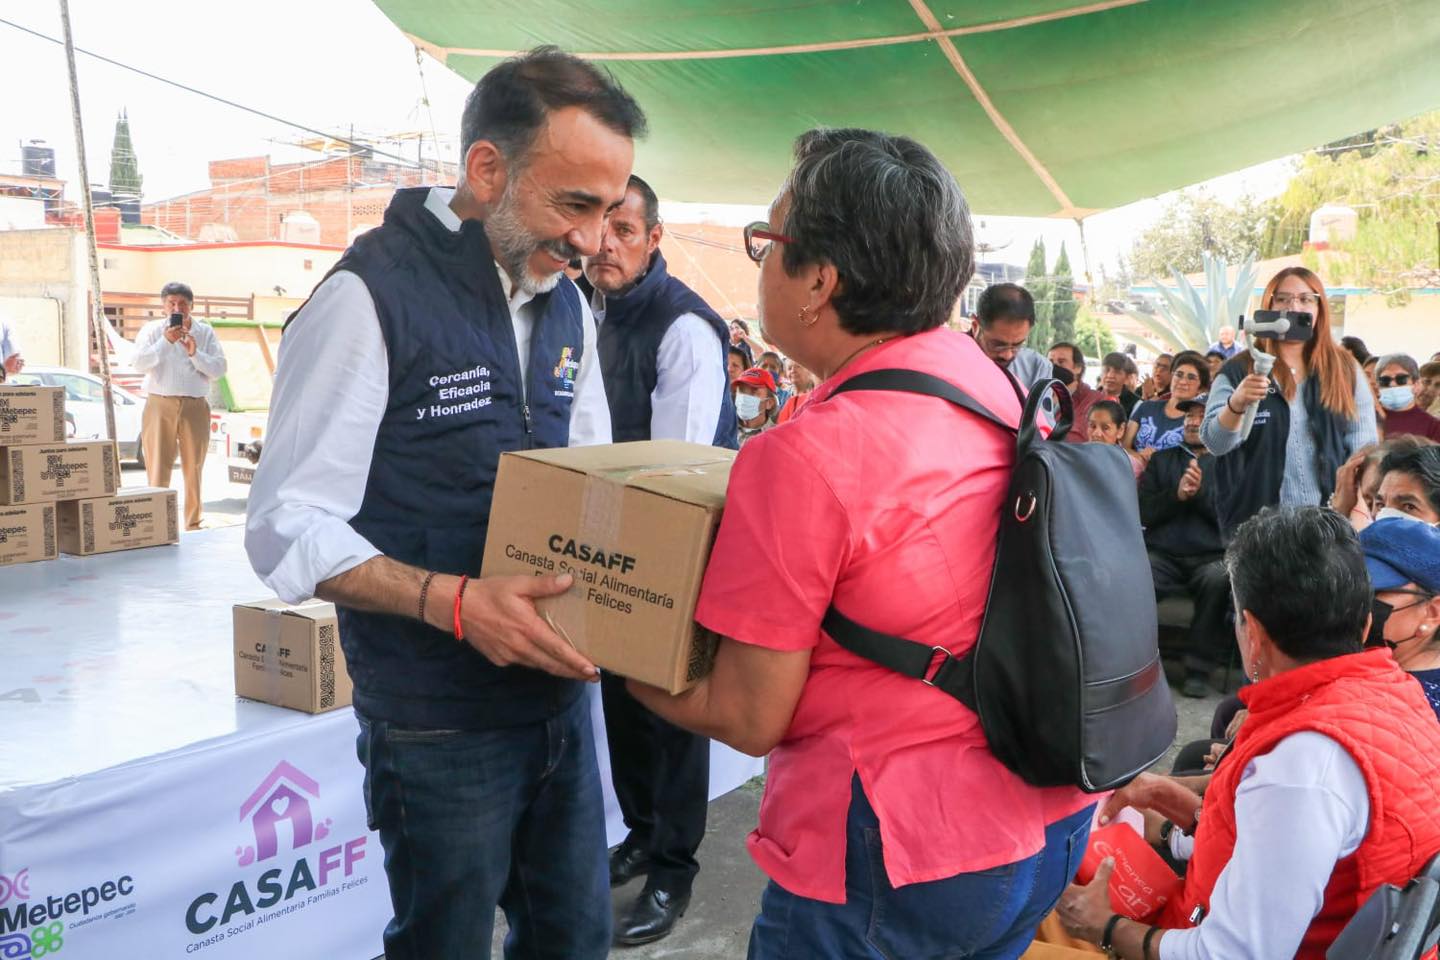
(1285, 300)
(1399, 380)
(759, 237)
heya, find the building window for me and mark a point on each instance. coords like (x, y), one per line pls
(109, 263)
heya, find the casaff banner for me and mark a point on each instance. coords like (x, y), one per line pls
(248, 847)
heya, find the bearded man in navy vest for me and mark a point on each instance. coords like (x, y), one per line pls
(441, 339)
(663, 354)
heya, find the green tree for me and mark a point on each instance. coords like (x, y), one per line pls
(125, 179)
(1064, 308)
(1193, 225)
(1092, 333)
(1037, 281)
(1391, 178)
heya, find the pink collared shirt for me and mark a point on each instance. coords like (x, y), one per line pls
(890, 504)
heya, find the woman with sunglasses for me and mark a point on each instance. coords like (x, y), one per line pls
(1315, 412)
(1403, 557)
(888, 827)
(1397, 376)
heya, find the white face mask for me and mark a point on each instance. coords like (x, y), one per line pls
(1396, 398)
(747, 406)
(1390, 513)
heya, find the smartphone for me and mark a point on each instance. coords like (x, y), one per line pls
(177, 320)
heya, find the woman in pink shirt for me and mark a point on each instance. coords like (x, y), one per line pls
(888, 828)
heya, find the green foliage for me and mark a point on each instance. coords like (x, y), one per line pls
(1190, 319)
(1092, 333)
(1193, 225)
(1064, 307)
(1037, 281)
(1391, 178)
(125, 179)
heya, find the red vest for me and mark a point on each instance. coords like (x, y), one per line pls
(1379, 714)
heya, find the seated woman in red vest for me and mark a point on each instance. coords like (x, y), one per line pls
(1331, 788)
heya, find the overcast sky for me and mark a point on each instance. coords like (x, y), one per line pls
(328, 64)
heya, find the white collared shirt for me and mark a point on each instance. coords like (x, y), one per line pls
(689, 379)
(169, 370)
(330, 395)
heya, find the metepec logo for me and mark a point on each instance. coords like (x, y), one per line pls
(36, 925)
(282, 825)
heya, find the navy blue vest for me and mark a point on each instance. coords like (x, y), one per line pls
(455, 403)
(629, 342)
(1249, 478)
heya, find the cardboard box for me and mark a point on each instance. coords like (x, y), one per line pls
(31, 473)
(141, 517)
(634, 523)
(290, 655)
(27, 532)
(31, 414)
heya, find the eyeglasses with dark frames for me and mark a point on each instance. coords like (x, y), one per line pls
(759, 238)
(1398, 380)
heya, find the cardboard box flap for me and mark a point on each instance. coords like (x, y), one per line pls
(689, 472)
(309, 610)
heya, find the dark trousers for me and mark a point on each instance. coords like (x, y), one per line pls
(1204, 580)
(989, 915)
(661, 775)
(472, 819)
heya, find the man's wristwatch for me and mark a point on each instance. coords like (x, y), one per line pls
(1166, 828)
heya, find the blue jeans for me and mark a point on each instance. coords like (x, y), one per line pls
(989, 915)
(472, 819)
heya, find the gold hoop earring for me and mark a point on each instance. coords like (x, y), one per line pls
(811, 321)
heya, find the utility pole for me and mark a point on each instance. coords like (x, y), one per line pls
(98, 324)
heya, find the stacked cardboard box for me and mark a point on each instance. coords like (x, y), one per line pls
(57, 495)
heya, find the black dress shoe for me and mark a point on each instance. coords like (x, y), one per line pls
(651, 917)
(627, 863)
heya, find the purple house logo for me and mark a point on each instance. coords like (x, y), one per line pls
(281, 799)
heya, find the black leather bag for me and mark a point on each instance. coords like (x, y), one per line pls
(1066, 673)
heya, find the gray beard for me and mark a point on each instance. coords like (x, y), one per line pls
(514, 244)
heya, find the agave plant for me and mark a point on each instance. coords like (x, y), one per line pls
(1191, 319)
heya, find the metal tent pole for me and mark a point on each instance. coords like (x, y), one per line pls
(97, 308)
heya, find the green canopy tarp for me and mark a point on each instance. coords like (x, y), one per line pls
(1039, 107)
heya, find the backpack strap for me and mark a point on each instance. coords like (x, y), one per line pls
(934, 666)
(913, 381)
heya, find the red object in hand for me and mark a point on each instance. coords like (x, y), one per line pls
(1142, 882)
(459, 595)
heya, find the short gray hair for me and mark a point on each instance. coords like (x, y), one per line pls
(890, 218)
(1404, 359)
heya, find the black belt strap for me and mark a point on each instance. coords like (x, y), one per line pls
(934, 666)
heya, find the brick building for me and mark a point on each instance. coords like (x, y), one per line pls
(323, 201)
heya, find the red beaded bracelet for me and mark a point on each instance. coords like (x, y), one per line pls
(460, 593)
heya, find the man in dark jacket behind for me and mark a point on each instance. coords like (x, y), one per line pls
(1182, 535)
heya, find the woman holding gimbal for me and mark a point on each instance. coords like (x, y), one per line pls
(1313, 410)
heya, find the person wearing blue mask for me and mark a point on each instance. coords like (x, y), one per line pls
(1397, 376)
(1403, 557)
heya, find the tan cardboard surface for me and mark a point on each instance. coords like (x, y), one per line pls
(27, 533)
(290, 655)
(634, 524)
(30, 473)
(31, 414)
(140, 517)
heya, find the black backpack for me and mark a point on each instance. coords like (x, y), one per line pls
(1065, 674)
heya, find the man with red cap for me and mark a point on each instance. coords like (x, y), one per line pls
(754, 402)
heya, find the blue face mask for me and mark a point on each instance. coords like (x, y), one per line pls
(1396, 398)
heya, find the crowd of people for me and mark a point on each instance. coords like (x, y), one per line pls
(888, 827)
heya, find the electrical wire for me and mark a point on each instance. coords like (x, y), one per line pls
(218, 99)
